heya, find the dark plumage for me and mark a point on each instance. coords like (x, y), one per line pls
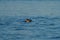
(28, 20)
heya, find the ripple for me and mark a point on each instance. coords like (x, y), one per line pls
(57, 37)
(16, 25)
(2, 24)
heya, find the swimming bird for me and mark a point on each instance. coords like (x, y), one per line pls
(28, 20)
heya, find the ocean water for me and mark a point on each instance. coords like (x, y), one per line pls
(45, 16)
(30, 8)
(41, 28)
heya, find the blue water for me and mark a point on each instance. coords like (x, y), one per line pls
(41, 28)
(30, 8)
(45, 16)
